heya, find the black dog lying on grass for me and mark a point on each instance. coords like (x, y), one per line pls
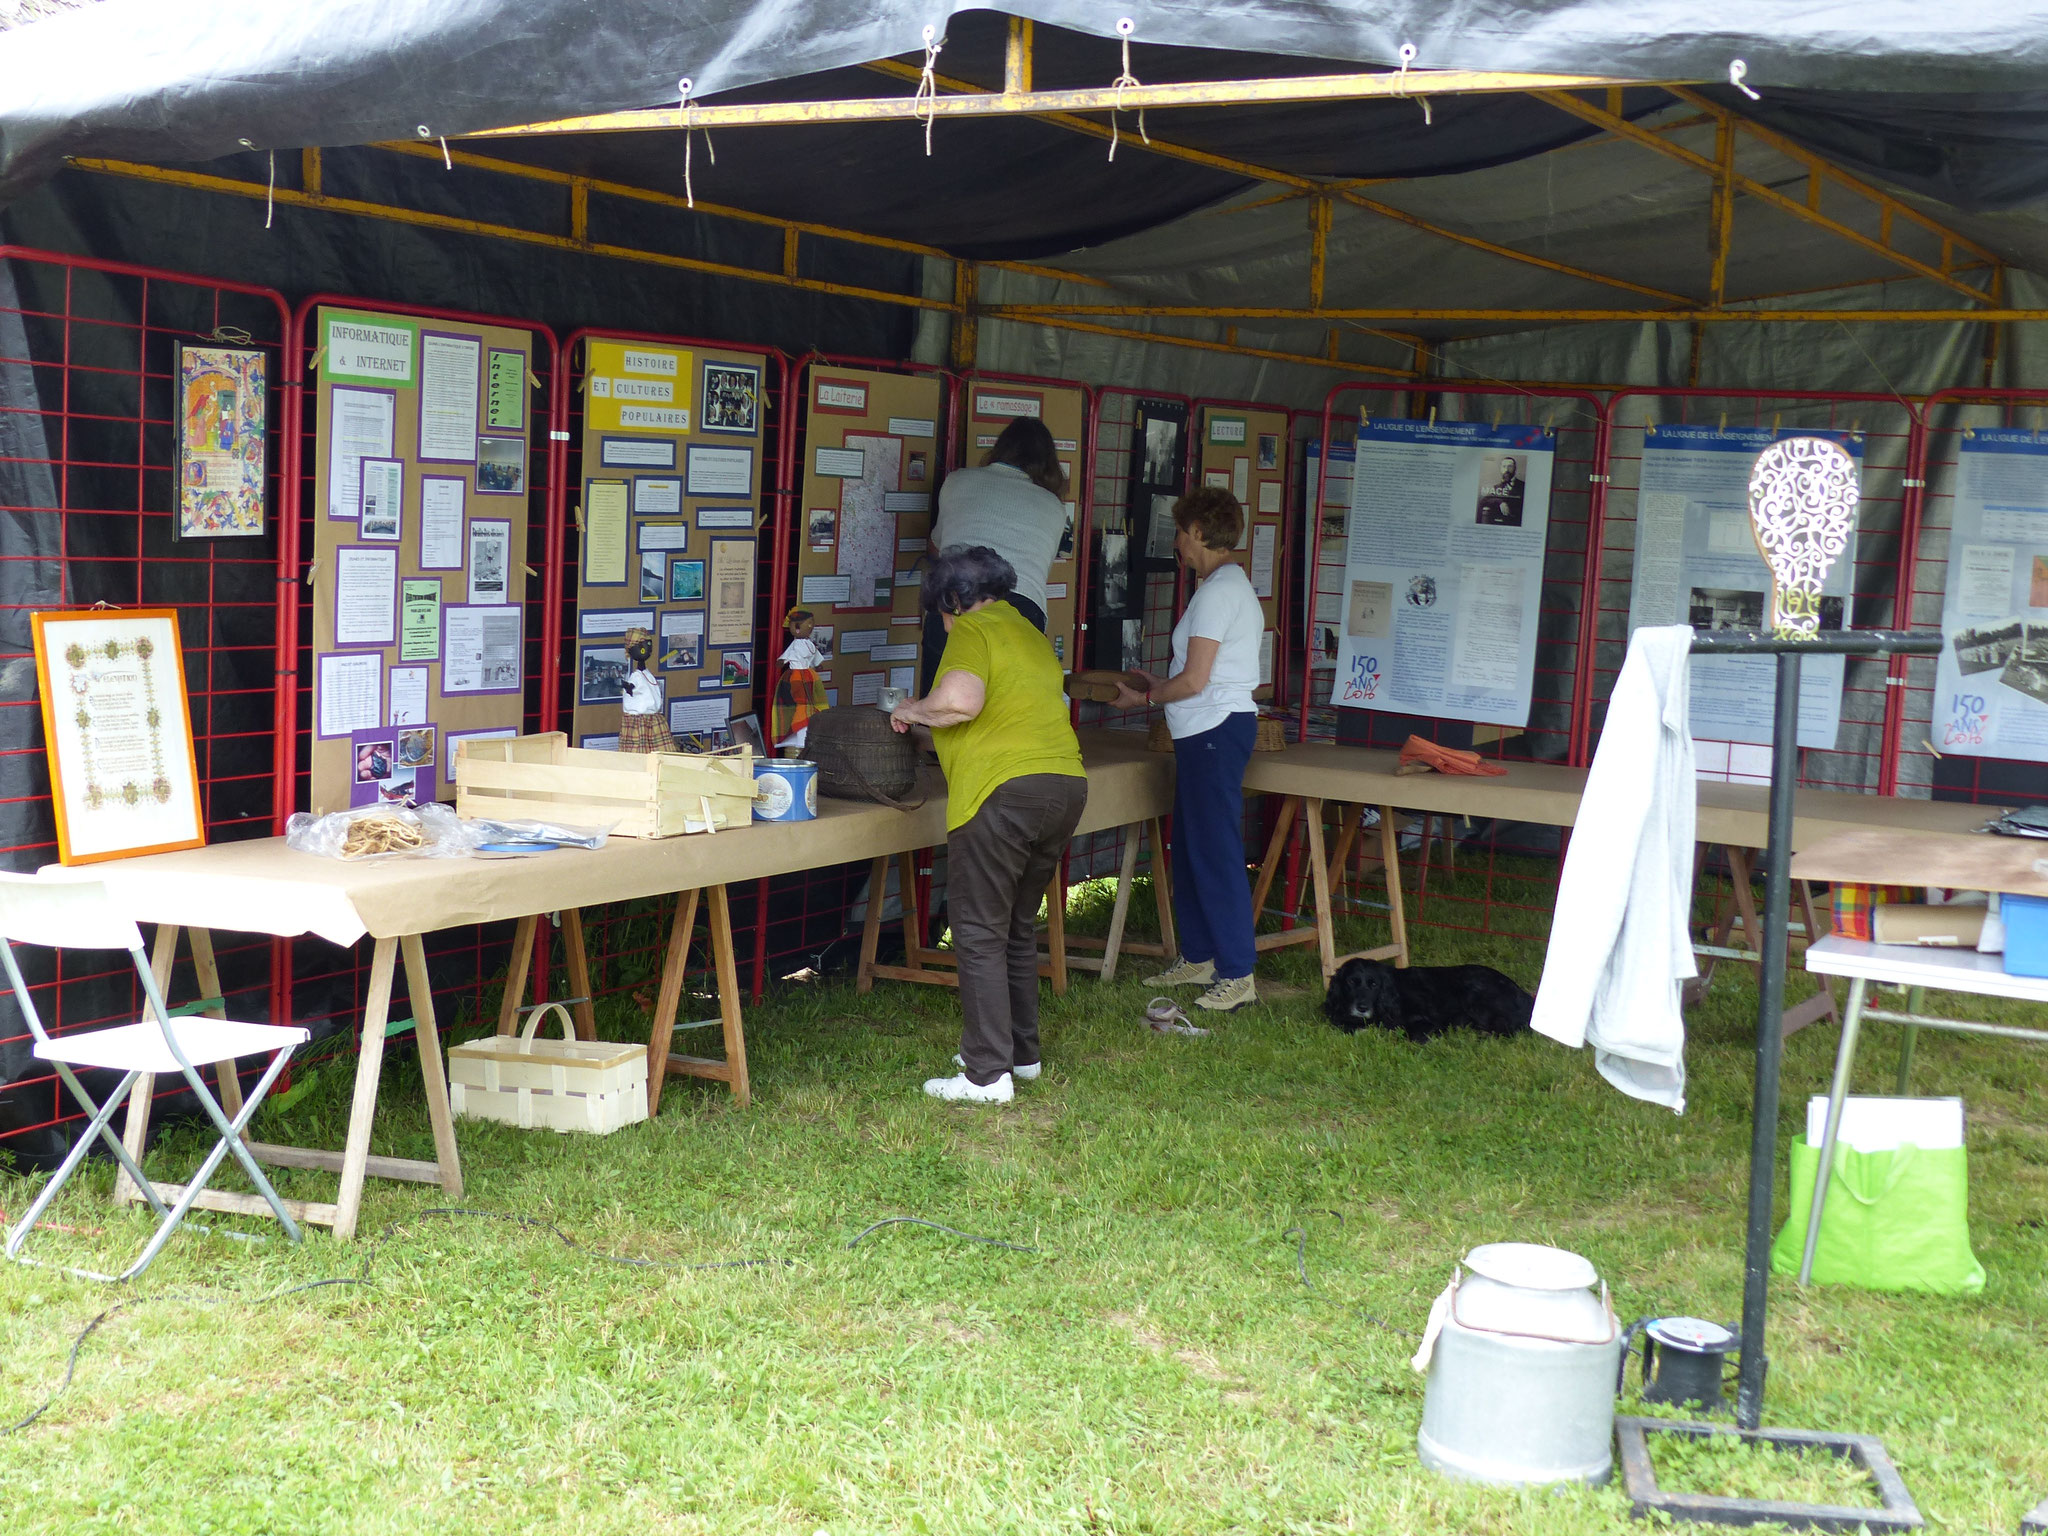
(1426, 1000)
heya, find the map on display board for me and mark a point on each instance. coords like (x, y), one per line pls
(870, 464)
(666, 530)
(1696, 562)
(1443, 571)
(418, 576)
(1244, 452)
(1991, 682)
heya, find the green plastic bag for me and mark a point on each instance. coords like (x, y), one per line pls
(1895, 1221)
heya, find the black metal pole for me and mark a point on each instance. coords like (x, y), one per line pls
(1770, 1035)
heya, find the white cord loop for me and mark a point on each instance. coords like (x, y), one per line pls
(1125, 27)
(447, 160)
(1407, 57)
(1736, 70)
(689, 132)
(270, 196)
(928, 85)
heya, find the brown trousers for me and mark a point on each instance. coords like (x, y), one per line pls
(997, 869)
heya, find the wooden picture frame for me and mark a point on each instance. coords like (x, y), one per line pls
(220, 454)
(136, 789)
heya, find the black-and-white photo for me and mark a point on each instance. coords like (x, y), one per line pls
(1066, 549)
(732, 398)
(2027, 671)
(1500, 497)
(1983, 650)
(1723, 608)
(1113, 574)
(1133, 643)
(1160, 528)
(824, 527)
(604, 674)
(1162, 451)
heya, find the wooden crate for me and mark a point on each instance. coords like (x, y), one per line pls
(646, 794)
(559, 1085)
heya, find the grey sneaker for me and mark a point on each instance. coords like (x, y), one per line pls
(1229, 996)
(1024, 1074)
(1184, 973)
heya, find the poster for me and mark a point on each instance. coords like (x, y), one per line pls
(118, 727)
(1991, 681)
(419, 622)
(1443, 570)
(451, 372)
(365, 596)
(360, 426)
(1696, 562)
(221, 464)
(636, 386)
(604, 533)
(731, 590)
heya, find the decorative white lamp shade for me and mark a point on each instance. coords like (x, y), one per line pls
(1802, 509)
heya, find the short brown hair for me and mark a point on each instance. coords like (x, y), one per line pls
(1212, 515)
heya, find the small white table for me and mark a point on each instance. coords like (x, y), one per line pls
(1916, 968)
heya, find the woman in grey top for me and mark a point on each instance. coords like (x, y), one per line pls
(1013, 504)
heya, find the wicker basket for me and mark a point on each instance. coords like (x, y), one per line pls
(1271, 737)
(860, 756)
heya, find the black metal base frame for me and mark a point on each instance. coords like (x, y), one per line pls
(1897, 1511)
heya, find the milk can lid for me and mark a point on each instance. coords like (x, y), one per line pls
(1692, 1334)
(1532, 1266)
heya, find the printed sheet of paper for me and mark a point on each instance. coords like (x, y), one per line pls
(383, 482)
(441, 512)
(451, 377)
(409, 692)
(1444, 570)
(604, 533)
(731, 591)
(1265, 540)
(360, 426)
(490, 560)
(351, 689)
(365, 597)
(1696, 562)
(711, 713)
(1991, 681)
(419, 619)
(482, 650)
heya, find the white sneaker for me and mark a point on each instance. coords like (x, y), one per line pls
(1024, 1074)
(1184, 973)
(1230, 995)
(959, 1090)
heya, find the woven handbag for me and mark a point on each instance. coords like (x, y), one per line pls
(860, 756)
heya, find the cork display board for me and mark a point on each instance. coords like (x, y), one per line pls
(422, 481)
(871, 462)
(1245, 452)
(992, 404)
(667, 514)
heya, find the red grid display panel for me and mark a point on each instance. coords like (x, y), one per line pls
(318, 985)
(86, 415)
(1858, 761)
(1923, 768)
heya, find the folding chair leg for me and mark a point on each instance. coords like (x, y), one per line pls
(113, 1142)
(19, 1236)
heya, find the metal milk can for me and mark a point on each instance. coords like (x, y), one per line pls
(1522, 1357)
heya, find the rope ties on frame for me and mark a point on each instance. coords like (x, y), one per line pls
(1401, 78)
(1737, 70)
(1124, 28)
(928, 84)
(690, 131)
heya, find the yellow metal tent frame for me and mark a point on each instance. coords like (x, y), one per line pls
(1909, 241)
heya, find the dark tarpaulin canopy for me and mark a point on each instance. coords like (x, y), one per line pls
(1948, 111)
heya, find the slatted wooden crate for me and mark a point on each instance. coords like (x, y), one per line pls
(647, 794)
(558, 1085)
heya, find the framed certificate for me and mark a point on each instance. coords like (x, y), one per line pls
(118, 733)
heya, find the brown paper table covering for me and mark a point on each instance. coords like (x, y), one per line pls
(1883, 856)
(261, 886)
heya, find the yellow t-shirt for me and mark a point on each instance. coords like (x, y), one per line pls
(1023, 726)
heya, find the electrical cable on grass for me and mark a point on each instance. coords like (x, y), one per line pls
(1301, 1265)
(919, 1221)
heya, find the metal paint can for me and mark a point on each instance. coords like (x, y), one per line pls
(785, 789)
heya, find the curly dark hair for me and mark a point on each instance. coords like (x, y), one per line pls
(1212, 515)
(962, 575)
(1026, 444)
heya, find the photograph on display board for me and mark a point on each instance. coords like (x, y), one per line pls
(732, 398)
(501, 466)
(1158, 475)
(220, 462)
(1500, 503)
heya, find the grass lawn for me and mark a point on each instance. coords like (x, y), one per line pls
(1155, 1365)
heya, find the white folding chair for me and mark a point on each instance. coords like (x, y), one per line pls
(65, 914)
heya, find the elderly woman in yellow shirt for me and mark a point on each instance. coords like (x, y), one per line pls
(1015, 789)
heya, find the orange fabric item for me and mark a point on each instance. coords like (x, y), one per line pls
(1447, 759)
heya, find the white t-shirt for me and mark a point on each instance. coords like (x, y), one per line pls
(999, 507)
(1226, 610)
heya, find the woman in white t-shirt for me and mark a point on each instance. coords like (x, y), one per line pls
(1210, 712)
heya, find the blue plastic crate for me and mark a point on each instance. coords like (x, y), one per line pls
(2026, 934)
